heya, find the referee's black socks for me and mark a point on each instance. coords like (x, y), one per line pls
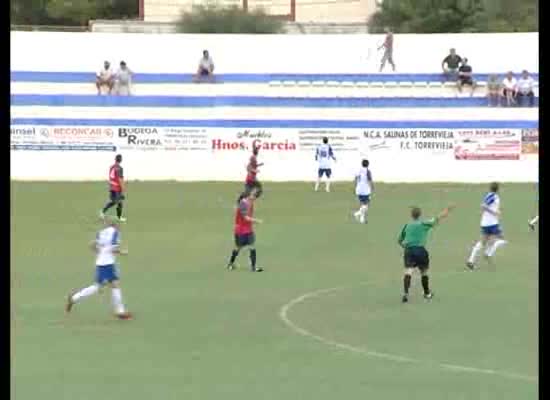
(426, 284)
(406, 283)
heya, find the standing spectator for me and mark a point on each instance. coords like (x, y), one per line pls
(206, 67)
(510, 88)
(493, 91)
(525, 88)
(465, 77)
(105, 78)
(450, 65)
(124, 80)
(388, 50)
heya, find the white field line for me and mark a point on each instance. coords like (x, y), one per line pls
(285, 309)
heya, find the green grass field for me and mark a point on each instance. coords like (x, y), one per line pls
(202, 332)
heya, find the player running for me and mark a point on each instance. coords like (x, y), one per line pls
(534, 221)
(106, 246)
(364, 187)
(413, 238)
(324, 157)
(116, 189)
(491, 233)
(252, 172)
(244, 231)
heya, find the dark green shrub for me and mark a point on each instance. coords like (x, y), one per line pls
(215, 19)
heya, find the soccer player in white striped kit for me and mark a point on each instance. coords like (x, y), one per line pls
(324, 156)
(106, 246)
(491, 232)
(364, 187)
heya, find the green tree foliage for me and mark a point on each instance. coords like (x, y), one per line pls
(79, 11)
(215, 19)
(455, 16)
(28, 12)
(70, 12)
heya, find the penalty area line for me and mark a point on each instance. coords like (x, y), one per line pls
(285, 309)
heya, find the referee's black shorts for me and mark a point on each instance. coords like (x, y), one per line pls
(416, 257)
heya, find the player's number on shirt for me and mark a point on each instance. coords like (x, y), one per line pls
(323, 154)
(113, 174)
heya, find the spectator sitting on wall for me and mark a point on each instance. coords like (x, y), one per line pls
(450, 65)
(206, 67)
(493, 91)
(105, 78)
(465, 77)
(509, 88)
(525, 88)
(123, 79)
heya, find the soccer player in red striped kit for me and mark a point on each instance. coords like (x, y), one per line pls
(116, 189)
(252, 172)
(244, 230)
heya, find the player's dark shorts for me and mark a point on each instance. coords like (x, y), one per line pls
(416, 257)
(363, 198)
(466, 80)
(204, 71)
(254, 185)
(325, 171)
(247, 239)
(116, 196)
(106, 273)
(493, 230)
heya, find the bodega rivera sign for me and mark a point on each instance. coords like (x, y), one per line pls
(136, 138)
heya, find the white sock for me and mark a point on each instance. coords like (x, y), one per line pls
(534, 220)
(475, 250)
(363, 211)
(317, 185)
(117, 301)
(327, 186)
(492, 249)
(86, 292)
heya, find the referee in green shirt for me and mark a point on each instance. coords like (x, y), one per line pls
(413, 238)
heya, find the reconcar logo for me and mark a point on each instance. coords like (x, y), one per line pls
(80, 132)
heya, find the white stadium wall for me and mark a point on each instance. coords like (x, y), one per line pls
(194, 144)
(171, 53)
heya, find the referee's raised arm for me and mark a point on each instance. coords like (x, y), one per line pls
(444, 213)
